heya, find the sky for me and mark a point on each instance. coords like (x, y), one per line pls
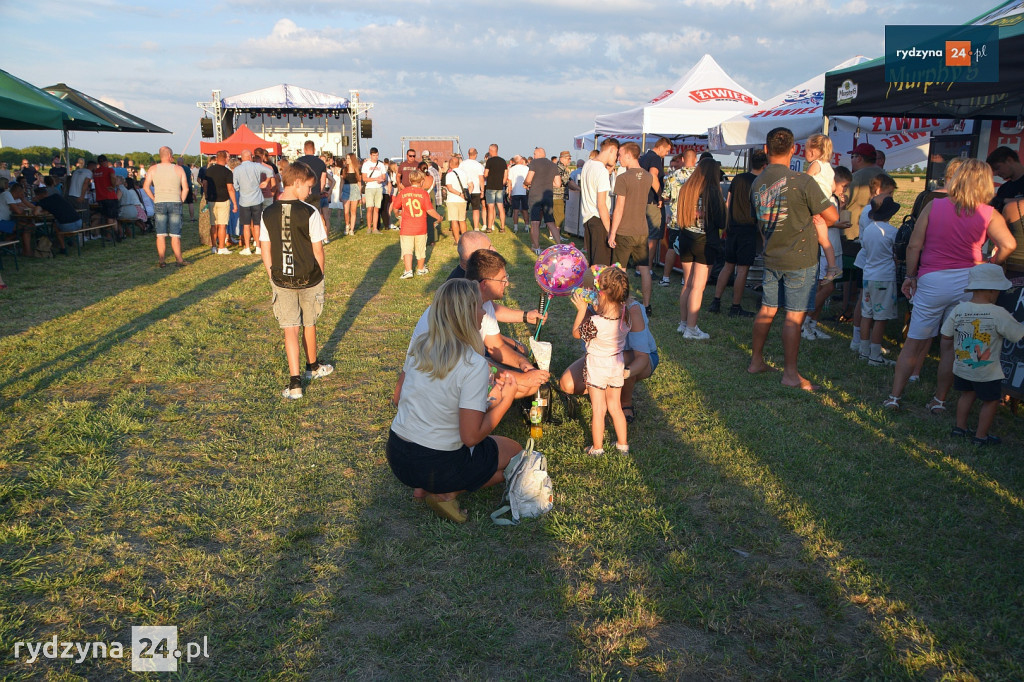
(520, 74)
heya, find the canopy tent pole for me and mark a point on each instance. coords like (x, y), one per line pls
(824, 125)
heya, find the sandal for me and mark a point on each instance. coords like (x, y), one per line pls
(161, 264)
(892, 403)
(987, 440)
(630, 413)
(447, 509)
(957, 432)
(936, 406)
(594, 451)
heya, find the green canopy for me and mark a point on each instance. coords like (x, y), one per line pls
(122, 120)
(25, 107)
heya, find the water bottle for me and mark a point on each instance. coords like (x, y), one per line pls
(536, 415)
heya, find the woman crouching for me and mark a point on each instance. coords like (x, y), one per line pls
(439, 442)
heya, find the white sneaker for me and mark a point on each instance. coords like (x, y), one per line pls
(665, 281)
(807, 333)
(292, 393)
(326, 241)
(818, 334)
(855, 346)
(222, 252)
(681, 328)
(321, 372)
(406, 275)
(245, 252)
(258, 252)
(696, 333)
(881, 362)
(423, 271)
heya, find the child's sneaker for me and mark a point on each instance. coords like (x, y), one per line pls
(320, 372)
(423, 271)
(292, 393)
(881, 362)
(245, 252)
(696, 333)
(258, 252)
(406, 275)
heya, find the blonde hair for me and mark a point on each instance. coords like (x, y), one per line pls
(416, 177)
(823, 144)
(951, 168)
(615, 284)
(971, 186)
(452, 329)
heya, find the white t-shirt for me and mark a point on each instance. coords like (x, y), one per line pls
(594, 179)
(825, 177)
(377, 172)
(317, 233)
(452, 179)
(78, 179)
(875, 256)
(978, 330)
(472, 170)
(516, 176)
(488, 326)
(428, 411)
(6, 201)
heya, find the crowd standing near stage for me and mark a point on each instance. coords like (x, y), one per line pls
(639, 211)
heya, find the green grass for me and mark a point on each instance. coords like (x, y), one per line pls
(150, 473)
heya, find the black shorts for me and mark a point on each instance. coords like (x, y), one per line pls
(741, 245)
(475, 202)
(691, 247)
(109, 208)
(519, 202)
(985, 391)
(191, 198)
(631, 247)
(542, 211)
(655, 224)
(250, 215)
(441, 471)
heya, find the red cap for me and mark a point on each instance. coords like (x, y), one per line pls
(864, 149)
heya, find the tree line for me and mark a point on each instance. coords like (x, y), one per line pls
(43, 156)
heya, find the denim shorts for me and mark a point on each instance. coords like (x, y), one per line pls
(493, 196)
(70, 227)
(798, 289)
(167, 218)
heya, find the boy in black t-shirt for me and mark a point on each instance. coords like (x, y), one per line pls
(292, 237)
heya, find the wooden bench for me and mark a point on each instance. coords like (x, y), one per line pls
(13, 245)
(77, 234)
(129, 225)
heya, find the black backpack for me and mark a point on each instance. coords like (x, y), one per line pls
(902, 239)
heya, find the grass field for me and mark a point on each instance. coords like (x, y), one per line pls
(151, 474)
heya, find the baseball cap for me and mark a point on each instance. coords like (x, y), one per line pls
(863, 149)
(885, 212)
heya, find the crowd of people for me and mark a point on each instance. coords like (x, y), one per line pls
(461, 375)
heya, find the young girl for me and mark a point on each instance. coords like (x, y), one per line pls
(604, 333)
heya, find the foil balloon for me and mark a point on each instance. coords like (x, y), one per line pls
(560, 269)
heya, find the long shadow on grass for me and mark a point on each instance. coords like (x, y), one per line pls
(373, 281)
(46, 373)
(43, 290)
(893, 525)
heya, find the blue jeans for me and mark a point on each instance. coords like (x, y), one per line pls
(70, 227)
(167, 218)
(798, 288)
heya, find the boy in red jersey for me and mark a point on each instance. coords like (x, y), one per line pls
(414, 204)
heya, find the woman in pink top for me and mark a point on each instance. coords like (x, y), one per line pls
(945, 245)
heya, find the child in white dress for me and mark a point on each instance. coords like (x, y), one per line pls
(603, 330)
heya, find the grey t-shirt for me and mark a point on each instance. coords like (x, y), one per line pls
(783, 202)
(541, 187)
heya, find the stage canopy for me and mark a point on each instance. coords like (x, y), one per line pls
(241, 140)
(704, 97)
(866, 92)
(283, 98)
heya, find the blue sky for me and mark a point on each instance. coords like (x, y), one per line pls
(520, 73)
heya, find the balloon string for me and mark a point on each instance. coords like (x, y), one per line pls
(540, 323)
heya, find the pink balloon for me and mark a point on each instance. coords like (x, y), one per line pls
(560, 269)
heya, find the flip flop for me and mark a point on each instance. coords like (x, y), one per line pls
(181, 264)
(161, 265)
(631, 415)
(447, 509)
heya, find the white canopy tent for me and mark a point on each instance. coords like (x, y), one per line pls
(680, 143)
(903, 140)
(704, 97)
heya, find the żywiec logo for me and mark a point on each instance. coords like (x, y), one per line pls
(847, 92)
(804, 97)
(661, 96)
(721, 94)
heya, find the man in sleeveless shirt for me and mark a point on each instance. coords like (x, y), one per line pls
(167, 186)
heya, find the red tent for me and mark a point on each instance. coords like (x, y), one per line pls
(242, 139)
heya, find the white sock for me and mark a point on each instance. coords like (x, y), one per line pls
(865, 347)
(856, 334)
(876, 351)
